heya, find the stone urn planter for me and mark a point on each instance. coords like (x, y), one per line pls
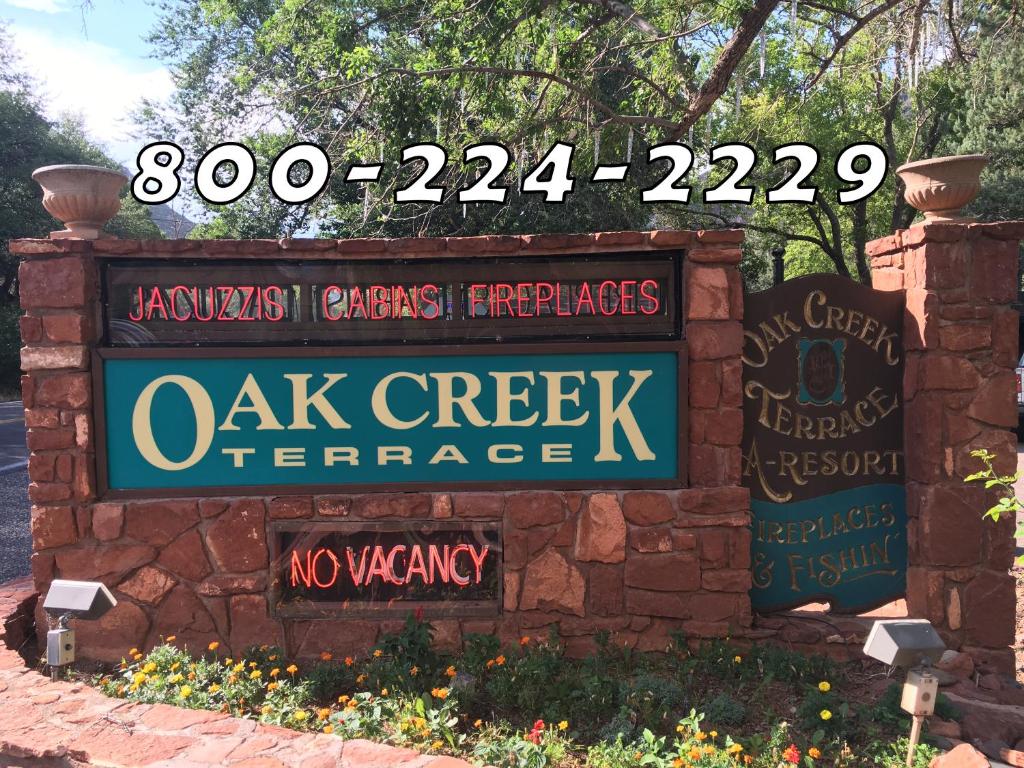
(940, 186)
(82, 197)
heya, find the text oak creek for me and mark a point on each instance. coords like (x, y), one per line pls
(217, 421)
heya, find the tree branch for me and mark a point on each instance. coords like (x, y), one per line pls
(718, 79)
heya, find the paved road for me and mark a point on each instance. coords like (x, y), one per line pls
(15, 539)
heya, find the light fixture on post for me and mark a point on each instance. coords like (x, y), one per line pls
(66, 600)
(913, 644)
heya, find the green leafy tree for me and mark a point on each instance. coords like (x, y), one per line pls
(365, 79)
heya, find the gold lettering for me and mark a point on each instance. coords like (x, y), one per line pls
(142, 422)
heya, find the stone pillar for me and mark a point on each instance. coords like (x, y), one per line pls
(59, 290)
(960, 350)
(714, 332)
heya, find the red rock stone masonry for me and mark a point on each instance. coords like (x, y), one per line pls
(635, 563)
(959, 388)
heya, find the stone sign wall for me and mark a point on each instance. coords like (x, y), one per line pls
(638, 563)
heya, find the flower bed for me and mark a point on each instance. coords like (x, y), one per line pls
(530, 706)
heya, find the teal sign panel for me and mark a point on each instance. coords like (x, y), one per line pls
(337, 421)
(823, 444)
(849, 546)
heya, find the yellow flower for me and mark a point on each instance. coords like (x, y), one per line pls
(680, 728)
(171, 639)
(825, 714)
(349, 661)
(709, 750)
(814, 753)
(824, 686)
(323, 714)
(325, 656)
(275, 672)
(564, 725)
(352, 704)
(714, 734)
(436, 745)
(328, 728)
(383, 691)
(737, 659)
(266, 709)
(252, 665)
(300, 715)
(342, 699)
(213, 646)
(136, 656)
(214, 688)
(271, 686)
(735, 749)
(228, 661)
(239, 667)
(700, 735)
(133, 651)
(150, 667)
(139, 678)
(175, 679)
(500, 660)
(255, 675)
(377, 653)
(291, 669)
(186, 691)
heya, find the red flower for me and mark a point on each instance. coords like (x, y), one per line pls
(536, 732)
(792, 754)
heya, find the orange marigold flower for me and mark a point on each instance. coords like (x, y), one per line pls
(450, 671)
(694, 754)
(500, 660)
(325, 656)
(170, 639)
(414, 670)
(213, 646)
(791, 754)
(271, 686)
(814, 753)
(490, 663)
(524, 640)
(328, 728)
(377, 653)
(349, 661)
(275, 672)
(291, 669)
(323, 714)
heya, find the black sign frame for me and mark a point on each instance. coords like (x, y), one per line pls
(453, 273)
(427, 609)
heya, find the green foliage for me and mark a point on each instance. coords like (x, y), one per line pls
(1004, 485)
(724, 710)
(530, 706)
(10, 348)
